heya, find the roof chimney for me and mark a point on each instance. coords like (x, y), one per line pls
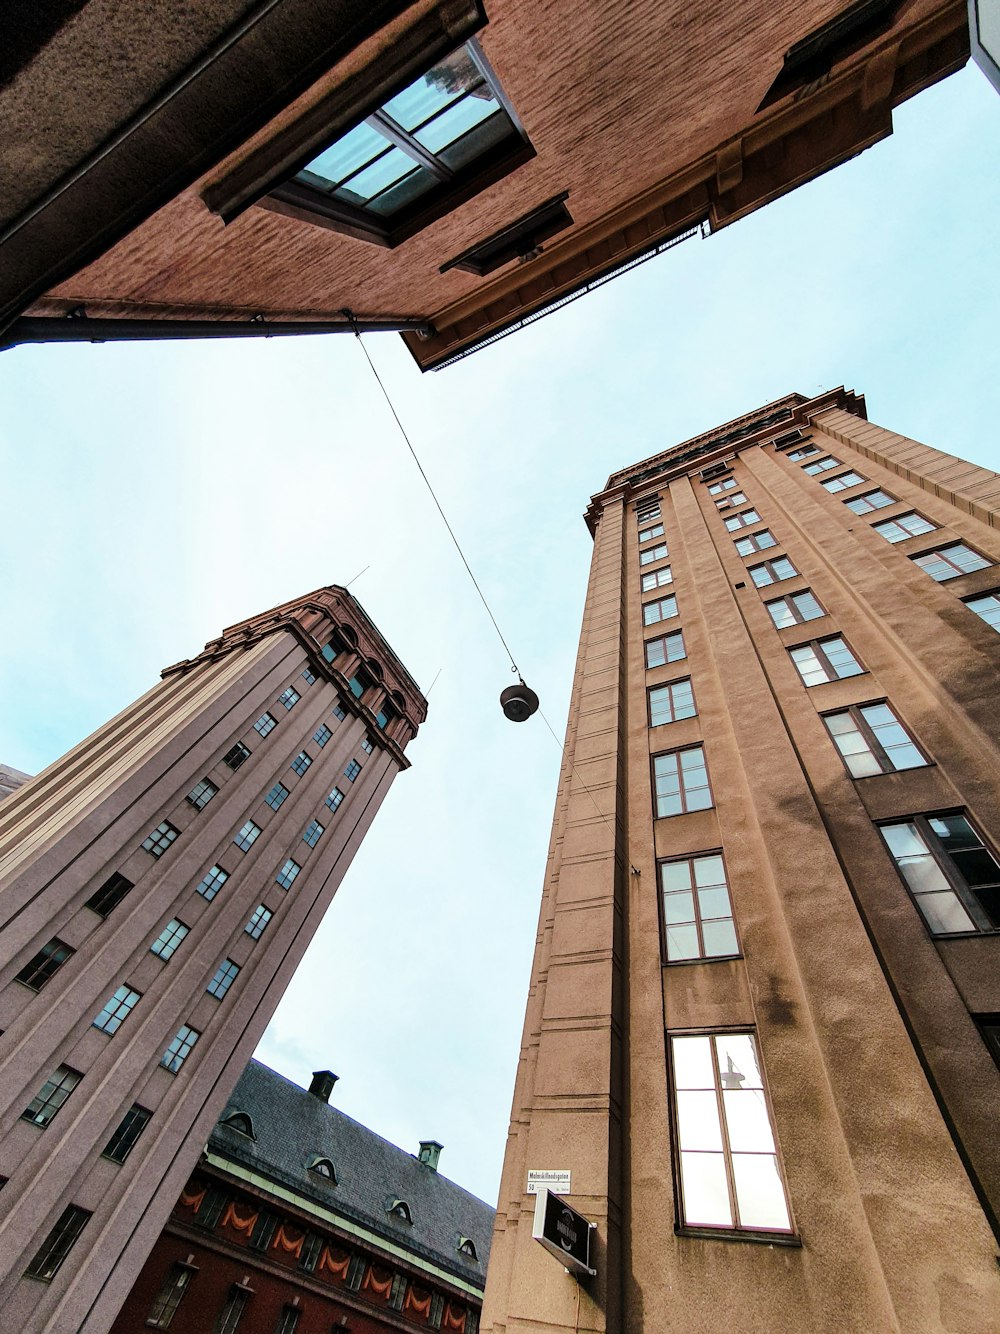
(430, 1152)
(322, 1084)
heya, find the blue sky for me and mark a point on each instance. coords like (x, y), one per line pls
(154, 494)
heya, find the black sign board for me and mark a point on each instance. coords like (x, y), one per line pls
(563, 1232)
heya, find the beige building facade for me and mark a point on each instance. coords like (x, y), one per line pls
(762, 1029)
(160, 883)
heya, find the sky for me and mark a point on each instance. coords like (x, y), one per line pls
(153, 494)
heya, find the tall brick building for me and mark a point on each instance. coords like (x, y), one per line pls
(763, 1029)
(160, 883)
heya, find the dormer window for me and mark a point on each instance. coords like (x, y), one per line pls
(240, 1122)
(401, 1210)
(467, 1247)
(322, 1167)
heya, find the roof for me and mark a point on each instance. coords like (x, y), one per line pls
(11, 780)
(293, 1127)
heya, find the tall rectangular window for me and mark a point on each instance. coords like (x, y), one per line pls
(904, 526)
(335, 798)
(772, 571)
(211, 882)
(872, 740)
(223, 978)
(169, 938)
(288, 1320)
(287, 874)
(352, 770)
(680, 779)
(43, 966)
(663, 609)
(367, 745)
(668, 648)
(657, 578)
(322, 735)
(160, 839)
(301, 762)
(49, 1258)
(697, 913)
(289, 698)
(953, 876)
(647, 534)
(737, 521)
(871, 500)
(312, 834)
(730, 1175)
(117, 1009)
(232, 1312)
(168, 1298)
(821, 465)
(794, 609)
(126, 1136)
(949, 562)
(825, 660)
(987, 608)
(308, 675)
(109, 895)
(265, 724)
(258, 921)
(338, 710)
(181, 1046)
(202, 793)
(842, 482)
(236, 755)
(671, 703)
(651, 554)
(276, 796)
(746, 546)
(51, 1096)
(247, 836)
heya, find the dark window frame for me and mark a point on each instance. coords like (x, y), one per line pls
(834, 485)
(126, 1136)
(669, 685)
(797, 618)
(682, 791)
(54, 1250)
(236, 755)
(817, 647)
(962, 890)
(106, 899)
(691, 857)
(768, 565)
(744, 519)
(667, 659)
(42, 967)
(941, 554)
(870, 509)
(876, 748)
(754, 540)
(897, 519)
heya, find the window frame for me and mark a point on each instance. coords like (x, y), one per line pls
(258, 922)
(651, 555)
(753, 540)
(875, 747)
(953, 876)
(821, 465)
(661, 578)
(682, 790)
(817, 646)
(55, 1249)
(108, 897)
(244, 833)
(669, 686)
(276, 795)
(161, 839)
(773, 576)
(284, 877)
(897, 519)
(654, 531)
(170, 1294)
(123, 1133)
(797, 618)
(994, 594)
(744, 519)
(940, 553)
(116, 1009)
(690, 858)
(214, 878)
(265, 724)
(43, 965)
(834, 485)
(172, 1060)
(659, 602)
(236, 756)
(170, 938)
(869, 508)
(677, 634)
(315, 828)
(63, 1077)
(224, 977)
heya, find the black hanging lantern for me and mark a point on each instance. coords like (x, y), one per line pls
(518, 702)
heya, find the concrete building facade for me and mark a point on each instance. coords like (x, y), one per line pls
(762, 1029)
(160, 883)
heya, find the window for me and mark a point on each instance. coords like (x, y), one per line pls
(743, 520)
(671, 703)
(323, 1168)
(989, 1028)
(352, 770)
(467, 1246)
(247, 836)
(308, 676)
(651, 554)
(729, 1169)
(232, 1312)
(125, 1138)
(202, 793)
(385, 716)
(746, 546)
(367, 745)
(57, 1245)
(160, 839)
(211, 1207)
(524, 236)
(719, 487)
(312, 833)
(236, 755)
(727, 502)
(358, 683)
(289, 698)
(276, 796)
(110, 894)
(842, 482)
(211, 882)
(661, 610)
(668, 648)
(53, 1093)
(288, 1320)
(338, 710)
(987, 608)
(265, 724)
(224, 977)
(644, 512)
(287, 874)
(301, 762)
(949, 562)
(117, 1009)
(821, 465)
(45, 964)
(697, 914)
(401, 1210)
(169, 938)
(825, 660)
(953, 877)
(261, 1236)
(258, 921)
(772, 571)
(241, 1122)
(872, 740)
(180, 1048)
(903, 526)
(795, 608)
(681, 782)
(335, 798)
(871, 500)
(647, 534)
(806, 452)
(168, 1299)
(322, 735)
(657, 578)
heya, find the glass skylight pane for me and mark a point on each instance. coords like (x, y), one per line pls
(455, 121)
(348, 154)
(383, 172)
(431, 93)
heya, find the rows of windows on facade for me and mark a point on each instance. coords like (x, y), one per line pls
(176, 935)
(730, 1170)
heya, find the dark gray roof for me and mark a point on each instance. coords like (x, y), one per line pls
(292, 1128)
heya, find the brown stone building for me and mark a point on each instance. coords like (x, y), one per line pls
(298, 1220)
(763, 1029)
(259, 167)
(160, 883)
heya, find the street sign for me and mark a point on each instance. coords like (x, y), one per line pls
(556, 1178)
(563, 1232)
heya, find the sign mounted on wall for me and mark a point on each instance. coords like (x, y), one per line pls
(555, 1178)
(563, 1232)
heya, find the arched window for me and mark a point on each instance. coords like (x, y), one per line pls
(240, 1122)
(323, 1168)
(401, 1210)
(468, 1247)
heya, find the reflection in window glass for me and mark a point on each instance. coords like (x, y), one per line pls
(670, 703)
(987, 608)
(697, 914)
(950, 562)
(681, 782)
